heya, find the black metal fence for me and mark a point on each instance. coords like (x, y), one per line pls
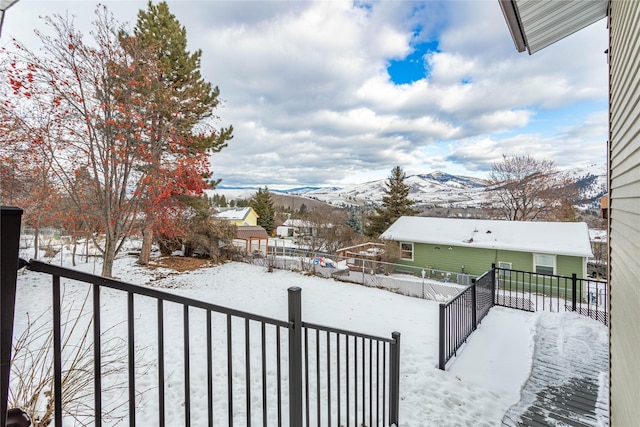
(524, 290)
(461, 315)
(257, 370)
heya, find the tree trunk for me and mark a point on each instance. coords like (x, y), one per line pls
(147, 240)
(36, 240)
(75, 247)
(109, 256)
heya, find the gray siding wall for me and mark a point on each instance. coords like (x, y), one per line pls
(624, 225)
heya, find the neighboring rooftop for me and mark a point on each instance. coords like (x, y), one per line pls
(562, 238)
(234, 213)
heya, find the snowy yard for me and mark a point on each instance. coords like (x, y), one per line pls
(477, 389)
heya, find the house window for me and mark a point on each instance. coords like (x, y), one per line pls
(406, 251)
(544, 264)
(506, 269)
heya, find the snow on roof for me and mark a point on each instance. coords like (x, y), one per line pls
(561, 238)
(292, 222)
(598, 235)
(233, 213)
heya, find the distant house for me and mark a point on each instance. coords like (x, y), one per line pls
(252, 239)
(239, 216)
(297, 228)
(471, 246)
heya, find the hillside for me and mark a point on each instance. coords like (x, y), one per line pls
(435, 189)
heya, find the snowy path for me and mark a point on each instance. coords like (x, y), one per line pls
(569, 384)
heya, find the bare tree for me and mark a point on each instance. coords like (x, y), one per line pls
(523, 188)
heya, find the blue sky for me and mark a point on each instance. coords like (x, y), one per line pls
(328, 93)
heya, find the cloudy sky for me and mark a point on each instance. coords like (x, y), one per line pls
(339, 92)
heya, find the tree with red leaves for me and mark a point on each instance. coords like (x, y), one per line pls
(73, 106)
(179, 133)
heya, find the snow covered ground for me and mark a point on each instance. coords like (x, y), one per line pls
(478, 388)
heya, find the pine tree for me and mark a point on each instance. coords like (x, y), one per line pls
(177, 105)
(263, 205)
(395, 203)
(353, 221)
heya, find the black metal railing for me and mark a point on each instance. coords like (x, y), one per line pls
(257, 370)
(460, 316)
(524, 290)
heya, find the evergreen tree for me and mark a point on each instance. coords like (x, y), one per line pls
(263, 205)
(395, 203)
(178, 103)
(353, 221)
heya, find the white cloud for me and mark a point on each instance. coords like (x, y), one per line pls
(306, 88)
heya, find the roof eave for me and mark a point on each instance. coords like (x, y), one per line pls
(513, 22)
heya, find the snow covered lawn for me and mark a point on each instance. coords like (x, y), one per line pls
(476, 390)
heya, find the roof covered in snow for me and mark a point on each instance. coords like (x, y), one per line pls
(234, 213)
(561, 238)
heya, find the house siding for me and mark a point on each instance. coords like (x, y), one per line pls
(476, 261)
(568, 265)
(624, 210)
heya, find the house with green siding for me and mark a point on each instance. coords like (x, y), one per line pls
(471, 245)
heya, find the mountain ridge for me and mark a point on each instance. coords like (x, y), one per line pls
(435, 188)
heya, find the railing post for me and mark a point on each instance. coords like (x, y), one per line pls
(494, 297)
(441, 344)
(9, 247)
(394, 381)
(574, 283)
(474, 301)
(295, 356)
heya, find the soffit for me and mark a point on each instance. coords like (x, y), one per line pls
(544, 22)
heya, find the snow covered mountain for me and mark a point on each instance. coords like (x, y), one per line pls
(434, 188)
(431, 189)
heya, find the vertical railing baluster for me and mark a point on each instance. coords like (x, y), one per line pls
(57, 353)
(338, 378)
(161, 416)
(264, 374)
(378, 383)
(384, 382)
(97, 357)
(364, 387)
(306, 376)
(318, 388)
(347, 363)
(247, 369)
(574, 284)
(355, 378)
(279, 375)
(229, 373)
(328, 380)
(209, 369)
(370, 381)
(132, 360)
(187, 367)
